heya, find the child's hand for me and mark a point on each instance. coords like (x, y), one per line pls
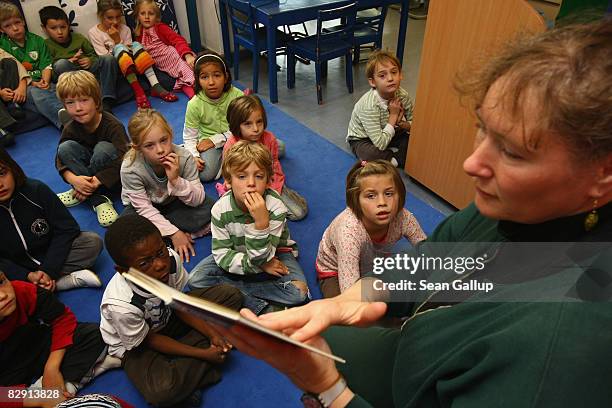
(204, 145)
(275, 267)
(7, 94)
(19, 94)
(53, 379)
(190, 60)
(199, 163)
(256, 205)
(84, 185)
(113, 32)
(84, 62)
(42, 84)
(40, 278)
(183, 245)
(75, 58)
(171, 166)
(221, 343)
(213, 354)
(395, 108)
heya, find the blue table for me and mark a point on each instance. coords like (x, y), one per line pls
(274, 13)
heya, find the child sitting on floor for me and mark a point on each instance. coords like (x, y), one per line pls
(381, 119)
(13, 86)
(251, 245)
(206, 128)
(32, 52)
(374, 219)
(91, 147)
(73, 51)
(113, 37)
(169, 49)
(42, 242)
(160, 182)
(169, 355)
(43, 344)
(248, 121)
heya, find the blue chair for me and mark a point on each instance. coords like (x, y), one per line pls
(324, 46)
(248, 35)
(369, 26)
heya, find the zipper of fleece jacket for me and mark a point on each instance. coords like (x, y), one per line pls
(23, 242)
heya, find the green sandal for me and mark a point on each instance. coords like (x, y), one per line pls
(106, 213)
(68, 199)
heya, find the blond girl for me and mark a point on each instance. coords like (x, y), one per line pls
(160, 182)
(169, 50)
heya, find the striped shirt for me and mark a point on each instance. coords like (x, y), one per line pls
(370, 116)
(237, 246)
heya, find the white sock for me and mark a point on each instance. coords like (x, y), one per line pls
(150, 74)
(394, 162)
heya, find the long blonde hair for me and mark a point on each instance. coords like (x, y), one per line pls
(140, 126)
(137, 6)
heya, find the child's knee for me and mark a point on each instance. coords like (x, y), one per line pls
(302, 287)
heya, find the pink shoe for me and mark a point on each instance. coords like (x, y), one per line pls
(220, 189)
(248, 91)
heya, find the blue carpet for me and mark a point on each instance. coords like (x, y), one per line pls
(314, 167)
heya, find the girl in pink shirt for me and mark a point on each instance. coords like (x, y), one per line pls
(247, 120)
(374, 220)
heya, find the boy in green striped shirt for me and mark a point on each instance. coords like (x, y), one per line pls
(251, 245)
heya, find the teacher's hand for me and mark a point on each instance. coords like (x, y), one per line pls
(305, 322)
(308, 371)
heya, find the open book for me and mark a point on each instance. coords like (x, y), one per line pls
(210, 311)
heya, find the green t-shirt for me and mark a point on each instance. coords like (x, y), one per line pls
(34, 55)
(66, 51)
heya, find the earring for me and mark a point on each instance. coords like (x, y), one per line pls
(592, 218)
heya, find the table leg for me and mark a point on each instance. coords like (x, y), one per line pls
(192, 21)
(401, 39)
(227, 52)
(271, 42)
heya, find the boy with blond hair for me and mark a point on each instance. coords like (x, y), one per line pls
(251, 246)
(381, 119)
(31, 51)
(72, 51)
(91, 147)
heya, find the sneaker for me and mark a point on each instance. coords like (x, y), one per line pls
(83, 278)
(220, 187)
(419, 13)
(63, 116)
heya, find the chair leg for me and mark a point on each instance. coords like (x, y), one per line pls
(255, 71)
(349, 72)
(318, 72)
(236, 59)
(290, 70)
(324, 69)
(356, 52)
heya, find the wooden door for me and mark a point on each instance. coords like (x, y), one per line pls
(443, 129)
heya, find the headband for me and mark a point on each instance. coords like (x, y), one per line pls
(214, 56)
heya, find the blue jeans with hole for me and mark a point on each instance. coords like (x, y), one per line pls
(257, 289)
(83, 161)
(105, 69)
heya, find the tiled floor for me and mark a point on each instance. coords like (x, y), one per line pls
(330, 120)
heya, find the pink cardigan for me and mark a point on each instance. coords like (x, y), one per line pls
(170, 37)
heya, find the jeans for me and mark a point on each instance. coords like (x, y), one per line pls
(104, 68)
(257, 289)
(85, 162)
(45, 102)
(212, 163)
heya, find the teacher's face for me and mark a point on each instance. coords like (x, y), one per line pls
(519, 183)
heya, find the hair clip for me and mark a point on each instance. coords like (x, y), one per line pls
(213, 56)
(363, 163)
